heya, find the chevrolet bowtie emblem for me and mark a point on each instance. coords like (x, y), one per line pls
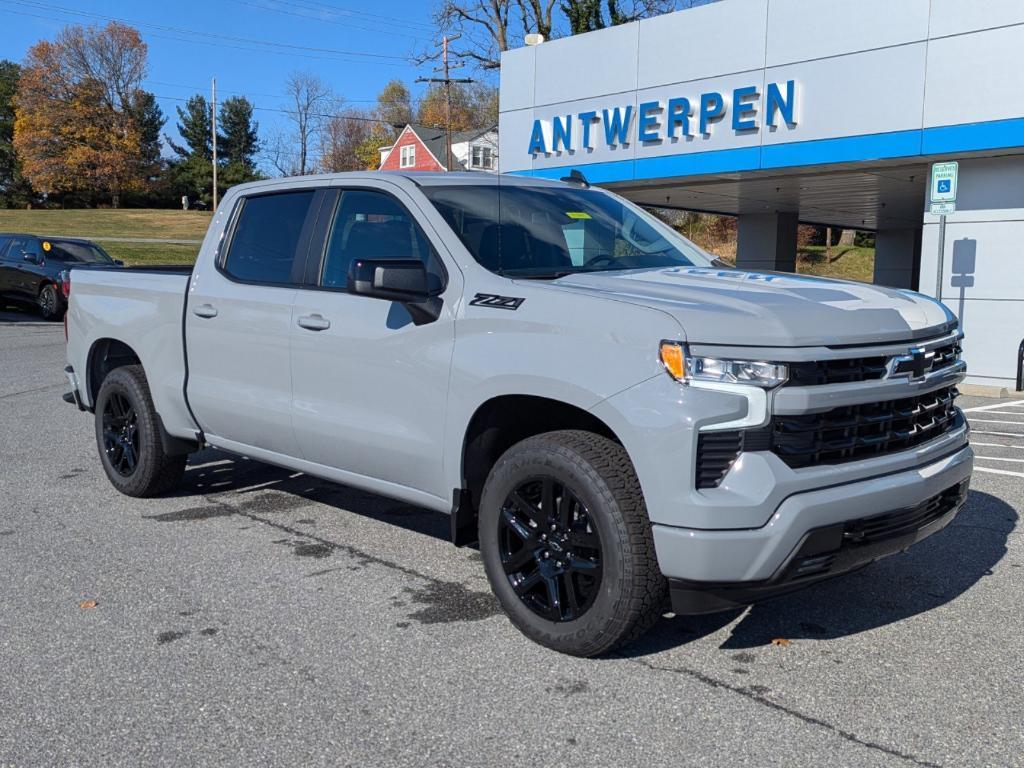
(914, 365)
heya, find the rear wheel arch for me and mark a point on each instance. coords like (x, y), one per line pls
(497, 425)
(107, 355)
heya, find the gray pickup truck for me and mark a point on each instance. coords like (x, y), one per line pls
(614, 417)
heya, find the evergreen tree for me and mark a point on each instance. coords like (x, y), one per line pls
(150, 120)
(194, 127)
(15, 191)
(237, 142)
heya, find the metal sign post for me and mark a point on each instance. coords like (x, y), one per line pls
(942, 196)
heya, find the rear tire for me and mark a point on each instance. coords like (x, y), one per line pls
(567, 544)
(128, 436)
(50, 303)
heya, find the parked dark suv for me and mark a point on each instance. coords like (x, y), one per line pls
(31, 267)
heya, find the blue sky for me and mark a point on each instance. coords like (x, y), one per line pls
(181, 63)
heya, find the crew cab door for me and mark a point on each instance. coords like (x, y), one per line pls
(369, 385)
(238, 322)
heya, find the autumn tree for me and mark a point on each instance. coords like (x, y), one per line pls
(473, 106)
(394, 105)
(76, 125)
(340, 140)
(15, 191)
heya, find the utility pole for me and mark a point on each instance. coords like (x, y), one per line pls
(447, 80)
(213, 132)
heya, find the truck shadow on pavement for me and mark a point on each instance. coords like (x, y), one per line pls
(239, 483)
(931, 574)
(934, 572)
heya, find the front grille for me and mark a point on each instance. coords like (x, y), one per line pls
(836, 371)
(861, 431)
(716, 453)
(868, 530)
(853, 369)
(945, 356)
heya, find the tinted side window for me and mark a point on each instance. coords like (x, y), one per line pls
(373, 225)
(4, 242)
(20, 245)
(266, 237)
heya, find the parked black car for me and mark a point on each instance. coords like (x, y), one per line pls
(31, 267)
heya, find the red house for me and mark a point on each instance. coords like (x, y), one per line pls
(419, 148)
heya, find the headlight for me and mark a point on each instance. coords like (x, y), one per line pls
(684, 367)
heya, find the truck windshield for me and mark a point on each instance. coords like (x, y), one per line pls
(548, 232)
(81, 253)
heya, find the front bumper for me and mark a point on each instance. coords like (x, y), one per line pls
(712, 570)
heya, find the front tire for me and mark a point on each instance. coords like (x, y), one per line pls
(567, 544)
(128, 436)
(50, 303)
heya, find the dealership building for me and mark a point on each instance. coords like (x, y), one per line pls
(818, 111)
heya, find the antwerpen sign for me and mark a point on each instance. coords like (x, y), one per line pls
(668, 119)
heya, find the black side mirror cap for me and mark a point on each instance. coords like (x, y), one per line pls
(402, 280)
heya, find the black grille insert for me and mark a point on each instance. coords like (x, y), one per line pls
(716, 453)
(836, 371)
(861, 431)
(868, 530)
(853, 369)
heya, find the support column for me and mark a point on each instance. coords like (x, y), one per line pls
(767, 242)
(897, 256)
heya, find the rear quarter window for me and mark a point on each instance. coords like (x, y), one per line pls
(267, 236)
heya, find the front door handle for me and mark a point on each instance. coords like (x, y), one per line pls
(314, 322)
(205, 310)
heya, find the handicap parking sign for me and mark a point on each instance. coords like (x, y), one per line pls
(943, 182)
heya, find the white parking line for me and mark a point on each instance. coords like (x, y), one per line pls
(998, 471)
(1005, 413)
(997, 445)
(998, 421)
(998, 434)
(996, 406)
(998, 458)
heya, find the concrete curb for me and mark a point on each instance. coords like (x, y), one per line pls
(987, 390)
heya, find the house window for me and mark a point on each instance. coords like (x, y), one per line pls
(407, 159)
(481, 157)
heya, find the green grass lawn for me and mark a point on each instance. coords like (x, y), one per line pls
(124, 222)
(107, 222)
(847, 262)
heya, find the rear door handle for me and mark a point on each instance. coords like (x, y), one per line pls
(314, 322)
(205, 310)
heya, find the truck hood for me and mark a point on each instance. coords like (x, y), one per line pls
(771, 309)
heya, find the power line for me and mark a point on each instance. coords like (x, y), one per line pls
(321, 20)
(251, 95)
(212, 35)
(334, 9)
(226, 45)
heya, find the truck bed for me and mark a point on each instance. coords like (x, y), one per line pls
(141, 308)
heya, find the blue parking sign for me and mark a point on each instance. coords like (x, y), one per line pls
(945, 185)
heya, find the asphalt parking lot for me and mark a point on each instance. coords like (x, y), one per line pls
(263, 617)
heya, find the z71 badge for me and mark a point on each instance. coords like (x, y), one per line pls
(498, 302)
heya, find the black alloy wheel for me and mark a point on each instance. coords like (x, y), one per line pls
(49, 303)
(120, 434)
(549, 549)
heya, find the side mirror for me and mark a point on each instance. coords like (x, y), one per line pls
(401, 280)
(31, 258)
(119, 262)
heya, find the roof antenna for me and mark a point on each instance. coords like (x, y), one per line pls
(577, 178)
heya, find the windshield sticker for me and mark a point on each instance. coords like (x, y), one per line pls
(577, 215)
(46, 245)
